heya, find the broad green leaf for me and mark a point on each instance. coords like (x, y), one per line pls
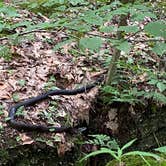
(82, 28)
(159, 97)
(139, 16)
(161, 149)
(128, 144)
(153, 82)
(108, 29)
(124, 46)
(92, 18)
(159, 48)
(139, 12)
(120, 11)
(142, 154)
(150, 14)
(9, 11)
(93, 43)
(157, 28)
(128, 29)
(104, 8)
(161, 86)
(148, 95)
(141, 7)
(75, 2)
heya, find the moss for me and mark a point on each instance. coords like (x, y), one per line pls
(4, 157)
(138, 161)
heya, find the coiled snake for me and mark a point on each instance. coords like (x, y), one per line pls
(29, 102)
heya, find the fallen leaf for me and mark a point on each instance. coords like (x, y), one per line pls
(25, 139)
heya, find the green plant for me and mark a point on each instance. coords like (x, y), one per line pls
(5, 53)
(161, 149)
(21, 82)
(50, 85)
(15, 97)
(1, 109)
(118, 153)
(20, 111)
(102, 141)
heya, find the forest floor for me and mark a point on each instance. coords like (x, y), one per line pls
(36, 68)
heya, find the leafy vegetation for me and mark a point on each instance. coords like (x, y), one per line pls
(126, 38)
(77, 19)
(116, 152)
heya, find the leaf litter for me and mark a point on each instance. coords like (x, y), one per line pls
(35, 68)
(26, 75)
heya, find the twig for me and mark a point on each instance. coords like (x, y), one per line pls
(146, 40)
(25, 33)
(128, 38)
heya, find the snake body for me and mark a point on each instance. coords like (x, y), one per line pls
(31, 101)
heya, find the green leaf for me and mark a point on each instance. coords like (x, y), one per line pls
(1, 107)
(161, 149)
(120, 11)
(9, 11)
(128, 144)
(159, 97)
(5, 52)
(139, 12)
(141, 7)
(1, 127)
(156, 29)
(159, 48)
(82, 28)
(20, 24)
(139, 16)
(15, 97)
(140, 153)
(93, 43)
(18, 138)
(108, 29)
(76, 2)
(92, 18)
(1, 27)
(161, 86)
(61, 44)
(101, 151)
(129, 29)
(21, 82)
(153, 82)
(124, 46)
(120, 152)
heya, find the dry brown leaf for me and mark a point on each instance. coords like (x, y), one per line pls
(63, 148)
(4, 94)
(25, 139)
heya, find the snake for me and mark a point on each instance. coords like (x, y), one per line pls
(23, 126)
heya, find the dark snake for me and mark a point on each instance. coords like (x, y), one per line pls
(21, 126)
